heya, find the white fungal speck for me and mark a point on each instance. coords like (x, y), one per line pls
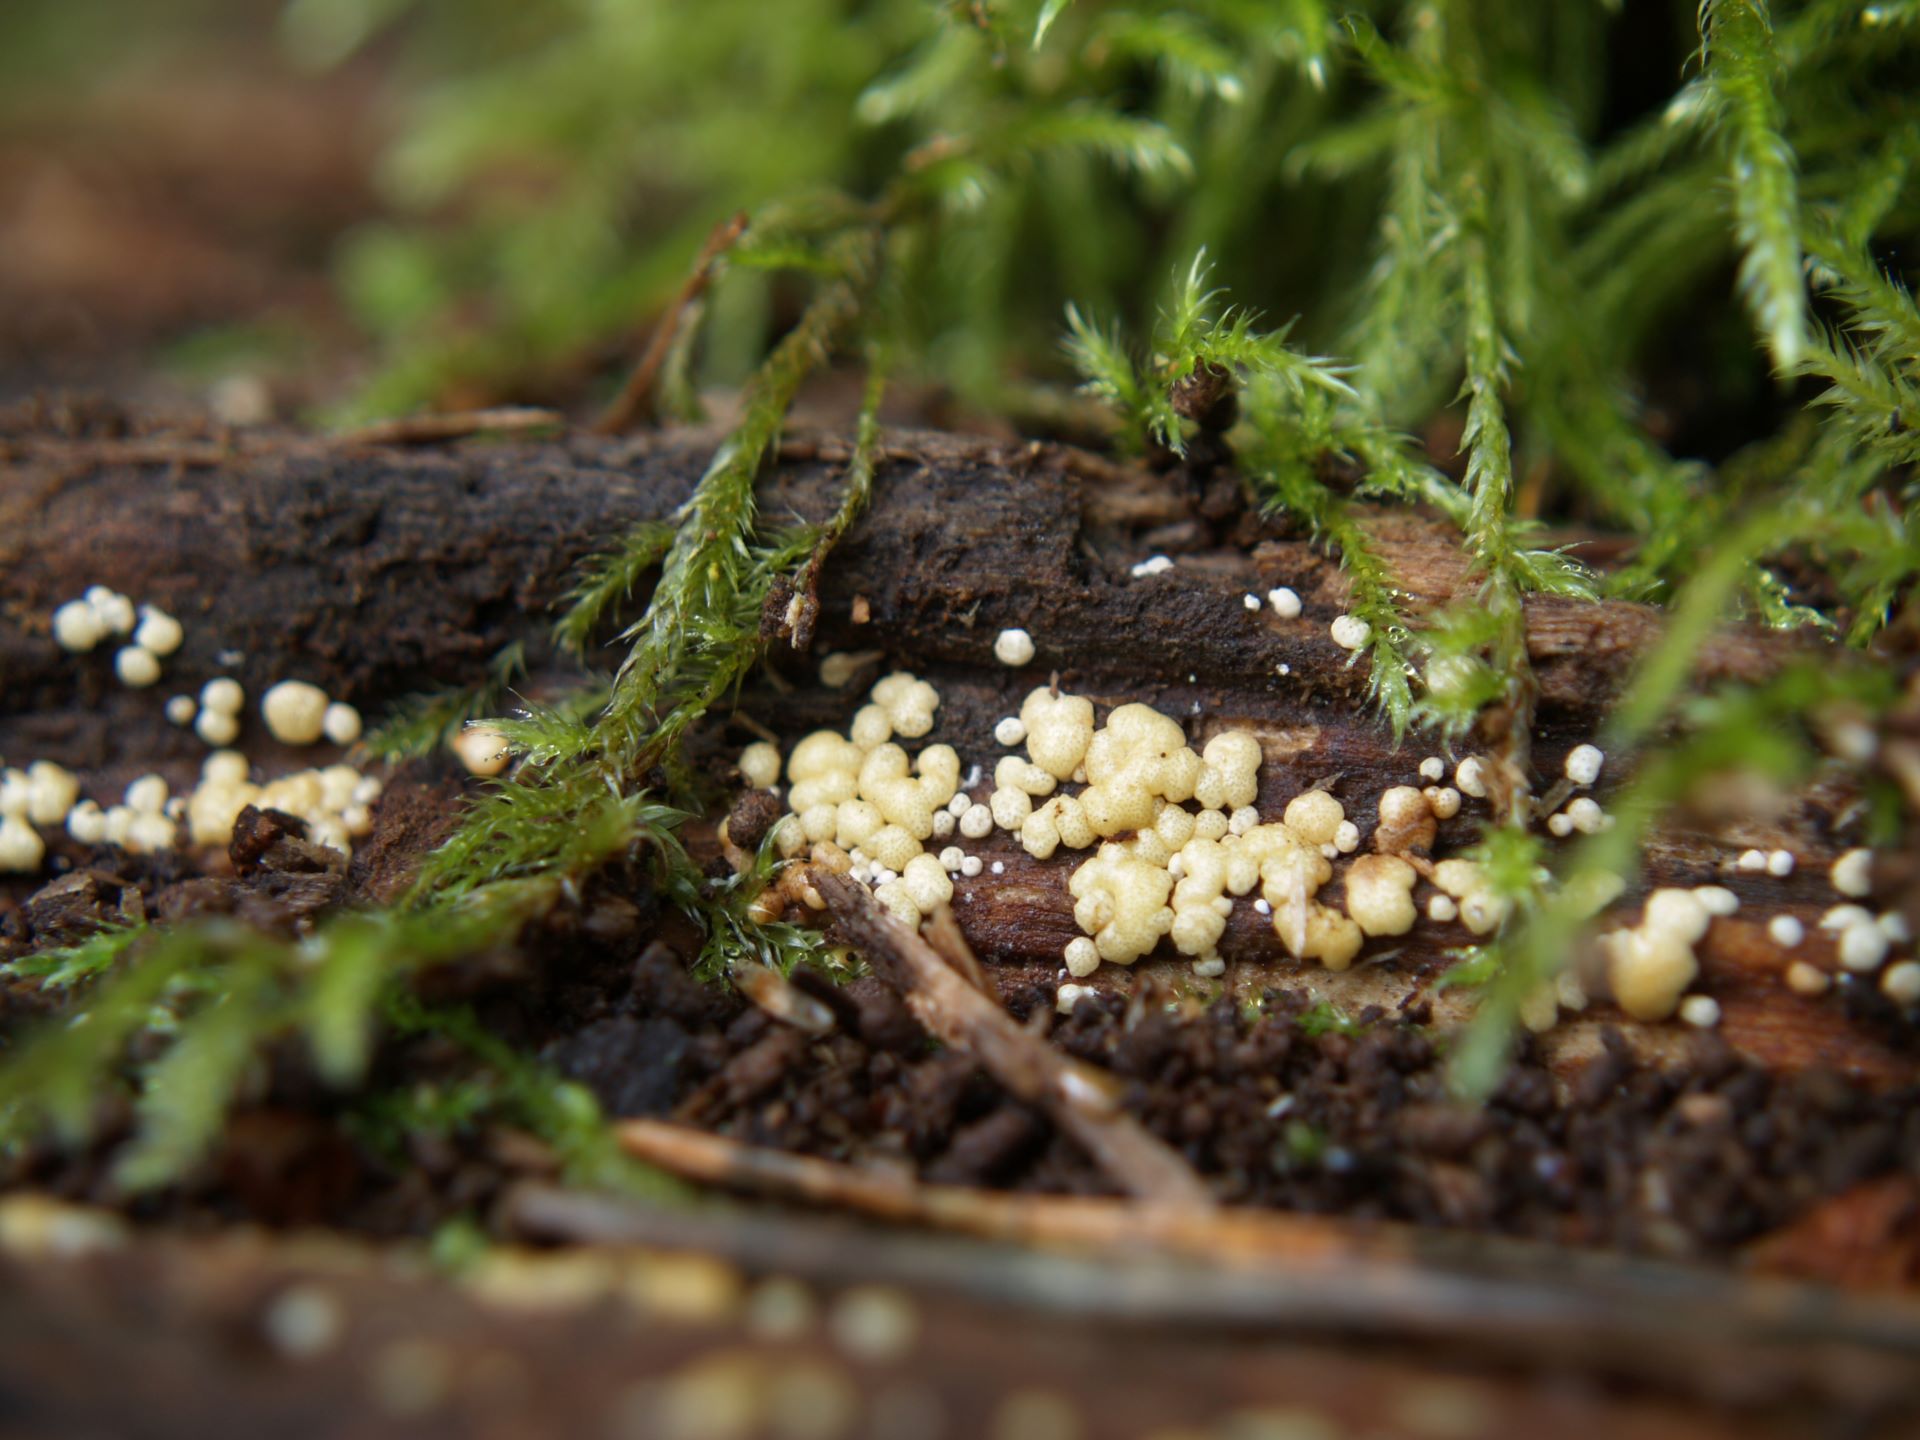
(943, 824)
(962, 802)
(1586, 816)
(1560, 824)
(1862, 947)
(1285, 603)
(147, 795)
(295, 712)
(1901, 983)
(1845, 917)
(1443, 909)
(1751, 860)
(1250, 602)
(1583, 764)
(1786, 931)
(1082, 957)
(159, 632)
(1443, 800)
(136, 668)
(1350, 632)
(1470, 776)
(999, 868)
(1152, 565)
(181, 709)
(1433, 769)
(482, 750)
(977, 823)
(1010, 731)
(1211, 968)
(1805, 979)
(1013, 647)
(340, 723)
(1346, 837)
(219, 728)
(76, 628)
(113, 610)
(971, 866)
(1852, 873)
(223, 695)
(21, 848)
(1700, 1011)
(759, 763)
(87, 823)
(1894, 926)
(1262, 907)
(1780, 862)
(1717, 899)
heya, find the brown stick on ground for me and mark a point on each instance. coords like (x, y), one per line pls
(1082, 1100)
(636, 396)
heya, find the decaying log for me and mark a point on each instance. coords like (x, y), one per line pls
(376, 572)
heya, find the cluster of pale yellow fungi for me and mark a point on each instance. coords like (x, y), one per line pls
(1175, 834)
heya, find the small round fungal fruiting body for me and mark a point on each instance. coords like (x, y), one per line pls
(137, 668)
(1717, 899)
(1901, 983)
(87, 823)
(181, 709)
(113, 610)
(1586, 816)
(1852, 873)
(218, 728)
(21, 848)
(482, 749)
(1285, 603)
(760, 765)
(1583, 764)
(1013, 647)
(1470, 777)
(158, 632)
(1786, 931)
(76, 628)
(1780, 863)
(340, 723)
(1700, 1011)
(295, 712)
(1350, 632)
(1010, 732)
(1433, 769)
(1862, 947)
(1805, 979)
(1250, 602)
(1082, 957)
(1752, 861)
(51, 791)
(147, 795)
(1152, 565)
(224, 695)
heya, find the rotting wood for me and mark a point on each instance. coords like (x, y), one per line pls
(379, 572)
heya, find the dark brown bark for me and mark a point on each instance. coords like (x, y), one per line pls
(376, 572)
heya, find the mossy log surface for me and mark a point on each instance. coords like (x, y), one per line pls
(377, 572)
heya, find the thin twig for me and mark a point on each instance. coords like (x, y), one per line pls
(1082, 1100)
(636, 396)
